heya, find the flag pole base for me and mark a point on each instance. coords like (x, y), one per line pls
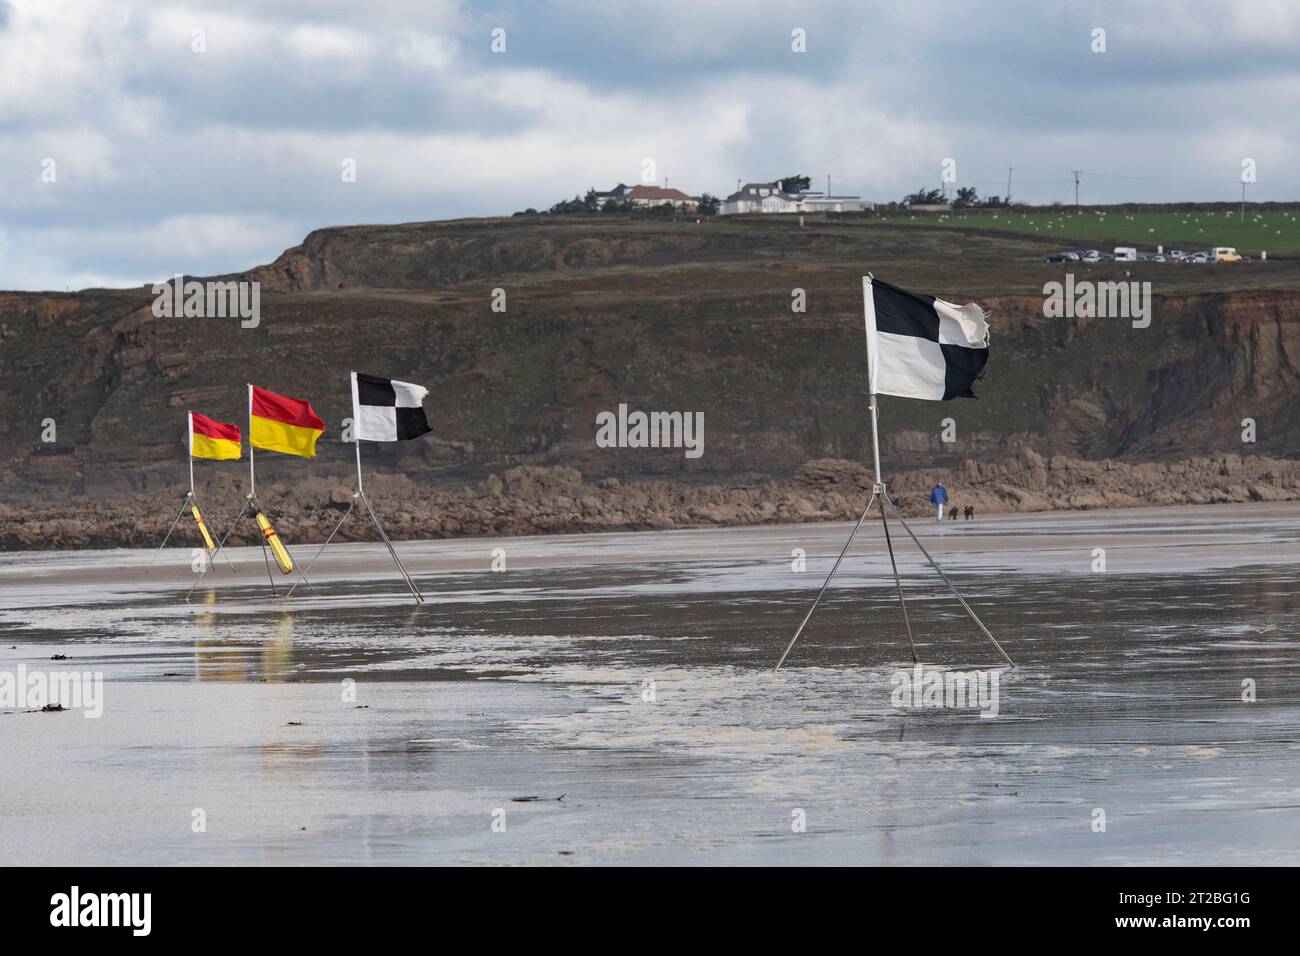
(881, 494)
(251, 506)
(360, 496)
(185, 502)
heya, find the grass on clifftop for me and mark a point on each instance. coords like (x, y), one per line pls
(1275, 230)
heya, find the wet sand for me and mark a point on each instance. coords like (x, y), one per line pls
(532, 683)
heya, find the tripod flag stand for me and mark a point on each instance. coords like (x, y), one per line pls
(281, 424)
(917, 347)
(205, 439)
(383, 409)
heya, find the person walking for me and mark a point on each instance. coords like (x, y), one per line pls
(939, 498)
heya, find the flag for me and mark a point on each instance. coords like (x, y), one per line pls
(922, 347)
(210, 439)
(384, 409)
(286, 425)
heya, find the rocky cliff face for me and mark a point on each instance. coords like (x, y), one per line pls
(658, 316)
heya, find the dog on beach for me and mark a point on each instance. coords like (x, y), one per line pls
(969, 512)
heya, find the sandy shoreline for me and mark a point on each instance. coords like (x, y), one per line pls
(1226, 536)
(545, 501)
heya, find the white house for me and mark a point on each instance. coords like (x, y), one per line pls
(758, 197)
(769, 198)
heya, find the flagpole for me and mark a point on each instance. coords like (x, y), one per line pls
(869, 315)
(878, 490)
(252, 478)
(360, 495)
(189, 417)
(356, 430)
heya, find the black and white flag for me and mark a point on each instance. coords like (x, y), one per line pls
(384, 409)
(922, 347)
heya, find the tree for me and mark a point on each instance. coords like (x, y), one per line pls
(966, 196)
(924, 197)
(709, 204)
(567, 205)
(794, 184)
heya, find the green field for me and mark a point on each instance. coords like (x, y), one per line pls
(1275, 230)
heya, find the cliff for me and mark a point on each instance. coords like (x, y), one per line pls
(668, 316)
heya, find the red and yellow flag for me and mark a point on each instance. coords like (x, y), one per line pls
(286, 425)
(211, 439)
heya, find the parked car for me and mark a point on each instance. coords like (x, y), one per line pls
(1177, 254)
(1064, 257)
(1197, 257)
(1157, 258)
(1092, 255)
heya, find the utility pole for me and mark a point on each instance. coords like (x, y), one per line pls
(1009, 168)
(1077, 174)
(1243, 203)
(828, 185)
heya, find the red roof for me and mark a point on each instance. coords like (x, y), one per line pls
(658, 192)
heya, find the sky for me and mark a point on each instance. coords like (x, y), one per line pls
(142, 138)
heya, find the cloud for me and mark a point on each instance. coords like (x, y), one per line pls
(170, 159)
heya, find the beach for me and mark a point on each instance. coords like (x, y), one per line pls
(609, 699)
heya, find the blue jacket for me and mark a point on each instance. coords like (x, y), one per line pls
(938, 495)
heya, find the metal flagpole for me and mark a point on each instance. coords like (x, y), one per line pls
(252, 492)
(194, 495)
(898, 582)
(360, 494)
(876, 490)
(879, 489)
(356, 430)
(869, 313)
(252, 478)
(869, 325)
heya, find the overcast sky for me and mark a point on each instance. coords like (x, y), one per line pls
(167, 158)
